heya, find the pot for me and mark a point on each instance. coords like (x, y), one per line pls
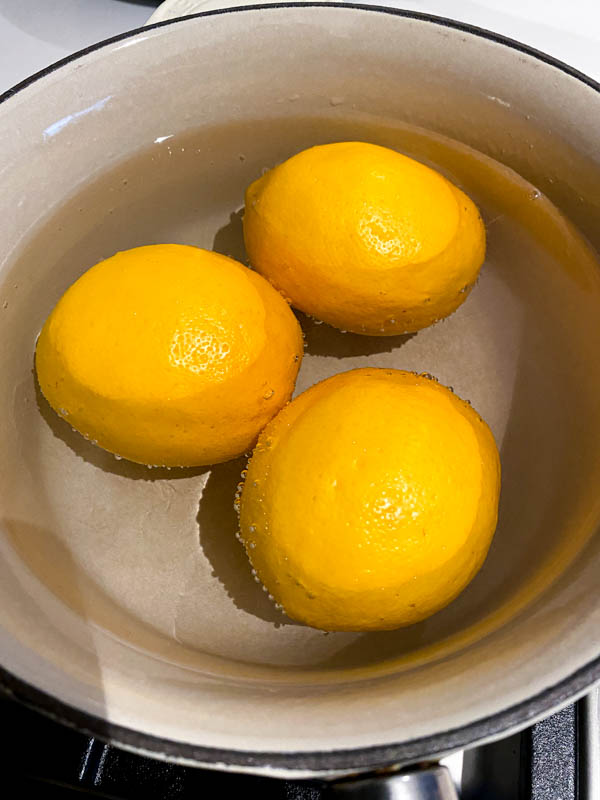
(128, 606)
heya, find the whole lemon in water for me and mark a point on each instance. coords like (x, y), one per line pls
(169, 355)
(364, 238)
(370, 501)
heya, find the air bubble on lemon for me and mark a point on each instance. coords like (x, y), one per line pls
(374, 505)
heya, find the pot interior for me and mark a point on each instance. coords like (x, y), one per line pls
(126, 593)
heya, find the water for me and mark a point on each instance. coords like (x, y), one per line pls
(526, 335)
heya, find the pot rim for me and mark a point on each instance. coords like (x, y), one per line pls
(311, 762)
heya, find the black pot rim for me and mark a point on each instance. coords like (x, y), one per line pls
(315, 762)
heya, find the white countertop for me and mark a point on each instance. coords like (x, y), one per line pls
(35, 33)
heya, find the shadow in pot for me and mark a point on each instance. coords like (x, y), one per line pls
(100, 458)
(218, 523)
(323, 340)
(229, 240)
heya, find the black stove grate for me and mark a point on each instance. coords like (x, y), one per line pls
(55, 761)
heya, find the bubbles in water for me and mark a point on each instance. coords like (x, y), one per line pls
(242, 157)
(257, 579)
(268, 394)
(5, 304)
(428, 376)
(264, 588)
(243, 473)
(252, 528)
(63, 412)
(254, 484)
(252, 545)
(271, 598)
(296, 357)
(535, 195)
(117, 456)
(336, 101)
(318, 321)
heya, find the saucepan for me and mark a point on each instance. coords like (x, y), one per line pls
(128, 607)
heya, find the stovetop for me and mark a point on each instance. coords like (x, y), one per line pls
(549, 761)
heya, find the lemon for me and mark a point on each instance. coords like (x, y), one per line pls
(370, 501)
(169, 355)
(364, 238)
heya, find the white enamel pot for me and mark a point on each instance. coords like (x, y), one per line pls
(127, 605)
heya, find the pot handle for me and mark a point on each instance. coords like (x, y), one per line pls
(420, 783)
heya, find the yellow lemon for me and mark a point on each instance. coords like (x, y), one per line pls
(370, 501)
(169, 355)
(364, 238)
